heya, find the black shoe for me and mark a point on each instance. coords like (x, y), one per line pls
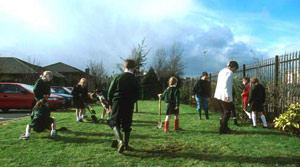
(265, 127)
(235, 122)
(114, 144)
(254, 126)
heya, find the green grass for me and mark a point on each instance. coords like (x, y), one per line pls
(198, 144)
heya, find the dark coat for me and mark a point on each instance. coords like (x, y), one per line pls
(257, 98)
(41, 88)
(80, 96)
(202, 88)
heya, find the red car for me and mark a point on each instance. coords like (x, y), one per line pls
(21, 96)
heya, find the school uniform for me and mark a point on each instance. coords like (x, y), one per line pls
(122, 94)
(80, 96)
(172, 97)
(257, 98)
(41, 119)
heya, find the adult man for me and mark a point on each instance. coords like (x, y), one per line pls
(122, 94)
(223, 94)
(201, 92)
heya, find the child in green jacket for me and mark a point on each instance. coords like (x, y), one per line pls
(41, 120)
(172, 96)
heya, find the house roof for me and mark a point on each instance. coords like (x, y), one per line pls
(63, 68)
(12, 65)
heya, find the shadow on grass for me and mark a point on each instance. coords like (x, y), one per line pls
(79, 140)
(165, 153)
(237, 132)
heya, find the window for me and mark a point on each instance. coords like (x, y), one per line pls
(1, 88)
(12, 89)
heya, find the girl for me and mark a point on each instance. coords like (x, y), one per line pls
(41, 119)
(80, 99)
(171, 96)
(245, 94)
(256, 101)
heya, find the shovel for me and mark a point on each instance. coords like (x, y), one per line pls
(92, 112)
(159, 114)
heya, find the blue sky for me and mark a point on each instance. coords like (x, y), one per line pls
(76, 32)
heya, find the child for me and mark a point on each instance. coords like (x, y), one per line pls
(41, 120)
(101, 96)
(172, 95)
(256, 101)
(80, 99)
(122, 94)
(245, 94)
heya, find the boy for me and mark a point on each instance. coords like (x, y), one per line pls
(122, 94)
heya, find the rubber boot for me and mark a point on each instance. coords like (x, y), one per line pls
(206, 115)
(235, 122)
(176, 125)
(166, 126)
(199, 112)
(126, 141)
(119, 139)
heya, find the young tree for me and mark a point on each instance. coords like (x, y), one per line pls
(139, 55)
(150, 85)
(160, 63)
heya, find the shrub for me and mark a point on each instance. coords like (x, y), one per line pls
(289, 121)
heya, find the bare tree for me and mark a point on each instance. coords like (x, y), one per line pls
(175, 65)
(160, 63)
(98, 72)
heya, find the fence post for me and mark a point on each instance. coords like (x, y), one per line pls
(276, 70)
(244, 70)
(276, 99)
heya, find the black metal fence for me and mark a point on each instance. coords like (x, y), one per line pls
(280, 76)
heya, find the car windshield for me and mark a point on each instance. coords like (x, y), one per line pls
(68, 90)
(28, 87)
(52, 90)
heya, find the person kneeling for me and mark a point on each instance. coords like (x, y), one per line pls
(41, 120)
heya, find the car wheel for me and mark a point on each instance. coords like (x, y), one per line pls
(4, 109)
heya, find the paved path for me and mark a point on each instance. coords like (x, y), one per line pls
(13, 114)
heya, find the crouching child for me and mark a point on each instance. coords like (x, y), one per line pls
(41, 120)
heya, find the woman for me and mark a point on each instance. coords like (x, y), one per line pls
(80, 98)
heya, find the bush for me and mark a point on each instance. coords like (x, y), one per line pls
(289, 121)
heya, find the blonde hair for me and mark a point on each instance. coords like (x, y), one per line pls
(47, 75)
(173, 81)
(82, 82)
(254, 80)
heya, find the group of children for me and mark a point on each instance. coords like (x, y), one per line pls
(123, 93)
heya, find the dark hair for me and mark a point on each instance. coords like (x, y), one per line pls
(233, 64)
(247, 79)
(204, 73)
(254, 80)
(129, 64)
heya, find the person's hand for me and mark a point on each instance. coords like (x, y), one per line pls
(193, 96)
(159, 95)
(249, 104)
(176, 108)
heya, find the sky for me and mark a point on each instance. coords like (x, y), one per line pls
(212, 32)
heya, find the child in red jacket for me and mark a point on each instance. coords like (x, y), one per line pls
(245, 95)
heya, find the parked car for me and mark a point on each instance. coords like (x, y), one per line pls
(21, 96)
(68, 98)
(62, 89)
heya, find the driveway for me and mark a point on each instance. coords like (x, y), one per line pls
(14, 114)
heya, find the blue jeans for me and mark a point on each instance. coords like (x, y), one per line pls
(202, 103)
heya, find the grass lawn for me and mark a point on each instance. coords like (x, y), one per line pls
(198, 144)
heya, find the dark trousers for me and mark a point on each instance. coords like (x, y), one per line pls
(226, 109)
(122, 115)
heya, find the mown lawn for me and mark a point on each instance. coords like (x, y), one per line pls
(198, 144)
